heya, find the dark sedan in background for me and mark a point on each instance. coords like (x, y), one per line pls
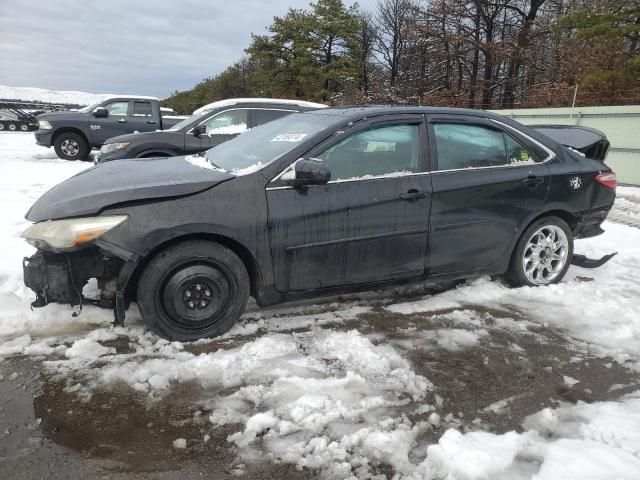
(315, 203)
(210, 126)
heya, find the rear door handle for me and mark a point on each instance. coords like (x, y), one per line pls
(122, 120)
(532, 180)
(151, 122)
(413, 193)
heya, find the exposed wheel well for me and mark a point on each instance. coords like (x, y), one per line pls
(250, 263)
(62, 130)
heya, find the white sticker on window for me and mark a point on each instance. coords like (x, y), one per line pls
(289, 137)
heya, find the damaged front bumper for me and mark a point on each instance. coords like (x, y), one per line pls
(61, 277)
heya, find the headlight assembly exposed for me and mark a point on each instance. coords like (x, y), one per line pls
(71, 233)
(112, 147)
(44, 125)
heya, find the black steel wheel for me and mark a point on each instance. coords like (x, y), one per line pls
(194, 289)
(71, 146)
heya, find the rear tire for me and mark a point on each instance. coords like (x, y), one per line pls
(12, 127)
(543, 253)
(71, 146)
(24, 127)
(194, 289)
(1, 126)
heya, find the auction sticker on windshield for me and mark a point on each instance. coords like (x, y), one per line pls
(289, 137)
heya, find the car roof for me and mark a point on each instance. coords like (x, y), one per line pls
(270, 101)
(374, 110)
(129, 97)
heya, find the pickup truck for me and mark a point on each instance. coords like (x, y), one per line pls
(74, 134)
(210, 125)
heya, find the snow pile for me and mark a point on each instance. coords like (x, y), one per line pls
(229, 130)
(608, 321)
(50, 96)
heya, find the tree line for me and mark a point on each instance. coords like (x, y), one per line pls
(476, 54)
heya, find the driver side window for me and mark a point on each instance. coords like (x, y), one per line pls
(387, 150)
(118, 108)
(231, 122)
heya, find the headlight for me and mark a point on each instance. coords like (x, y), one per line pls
(65, 234)
(112, 147)
(44, 125)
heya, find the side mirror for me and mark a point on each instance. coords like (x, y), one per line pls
(198, 130)
(308, 171)
(101, 112)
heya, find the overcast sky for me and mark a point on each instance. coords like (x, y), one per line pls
(150, 47)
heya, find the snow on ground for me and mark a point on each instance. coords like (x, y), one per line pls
(305, 387)
(50, 96)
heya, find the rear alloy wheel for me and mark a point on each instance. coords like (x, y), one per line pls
(71, 146)
(543, 253)
(195, 289)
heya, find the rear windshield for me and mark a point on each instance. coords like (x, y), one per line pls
(262, 145)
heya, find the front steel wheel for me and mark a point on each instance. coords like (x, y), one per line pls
(195, 289)
(543, 253)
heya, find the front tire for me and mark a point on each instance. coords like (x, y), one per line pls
(71, 146)
(543, 254)
(194, 289)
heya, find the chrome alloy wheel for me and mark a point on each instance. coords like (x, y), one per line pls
(70, 147)
(545, 255)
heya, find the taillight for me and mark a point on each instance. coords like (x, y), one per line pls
(607, 179)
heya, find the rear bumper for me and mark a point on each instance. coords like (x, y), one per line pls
(589, 223)
(44, 137)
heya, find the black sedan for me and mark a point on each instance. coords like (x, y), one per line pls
(316, 203)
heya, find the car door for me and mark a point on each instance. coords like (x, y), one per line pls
(142, 118)
(487, 179)
(369, 223)
(116, 123)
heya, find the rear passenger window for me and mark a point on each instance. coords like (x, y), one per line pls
(471, 146)
(142, 109)
(264, 116)
(377, 151)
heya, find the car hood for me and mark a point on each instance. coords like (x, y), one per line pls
(145, 137)
(62, 116)
(111, 183)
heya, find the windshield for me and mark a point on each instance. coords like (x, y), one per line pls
(260, 146)
(188, 121)
(90, 108)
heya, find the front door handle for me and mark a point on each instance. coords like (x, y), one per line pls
(413, 194)
(532, 181)
(151, 122)
(122, 120)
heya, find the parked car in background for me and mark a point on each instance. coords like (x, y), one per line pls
(210, 125)
(317, 203)
(74, 134)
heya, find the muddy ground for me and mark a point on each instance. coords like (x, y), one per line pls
(47, 432)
